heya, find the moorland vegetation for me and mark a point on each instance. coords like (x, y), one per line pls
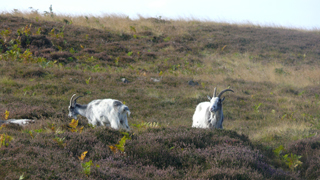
(271, 121)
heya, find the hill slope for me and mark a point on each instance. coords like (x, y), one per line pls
(273, 71)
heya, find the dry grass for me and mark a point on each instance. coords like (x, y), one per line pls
(122, 23)
(118, 23)
(240, 67)
(273, 132)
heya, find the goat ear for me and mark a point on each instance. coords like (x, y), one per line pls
(223, 99)
(209, 97)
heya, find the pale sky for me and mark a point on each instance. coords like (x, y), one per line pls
(289, 13)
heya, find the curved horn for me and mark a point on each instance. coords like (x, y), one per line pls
(71, 99)
(75, 100)
(215, 92)
(224, 92)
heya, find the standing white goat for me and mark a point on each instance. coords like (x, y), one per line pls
(210, 114)
(106, 112)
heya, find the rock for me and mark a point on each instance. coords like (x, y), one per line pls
(124, 80)
(156, 79)
(193, 83)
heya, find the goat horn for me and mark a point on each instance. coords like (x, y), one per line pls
(71, 99)
(75, 100)
(224, 92)
(215, 92)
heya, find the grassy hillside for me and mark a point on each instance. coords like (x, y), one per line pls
(271, 121)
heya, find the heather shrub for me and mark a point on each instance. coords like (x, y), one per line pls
(102, 56)
(107, 135)
(43, 153)
(36, 41)
(88, 50)
(37, 158)
(34, 72)
(47, 50)
(149, 55)
(309, 149)
(115, 47)
(156, 153)
(187, 148)
(26, 110)
(62, 57)
(230, 173)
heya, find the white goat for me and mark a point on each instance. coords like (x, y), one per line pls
(106, 112)
(20, 122)
(210, 114)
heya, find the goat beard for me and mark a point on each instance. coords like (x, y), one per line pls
(213, 114)
(211, 118)
(210, 123)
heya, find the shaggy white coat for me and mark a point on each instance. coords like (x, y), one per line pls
(103, 112)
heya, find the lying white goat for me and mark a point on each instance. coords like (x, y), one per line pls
(105, 112)
(20, 122)
(210, 114)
